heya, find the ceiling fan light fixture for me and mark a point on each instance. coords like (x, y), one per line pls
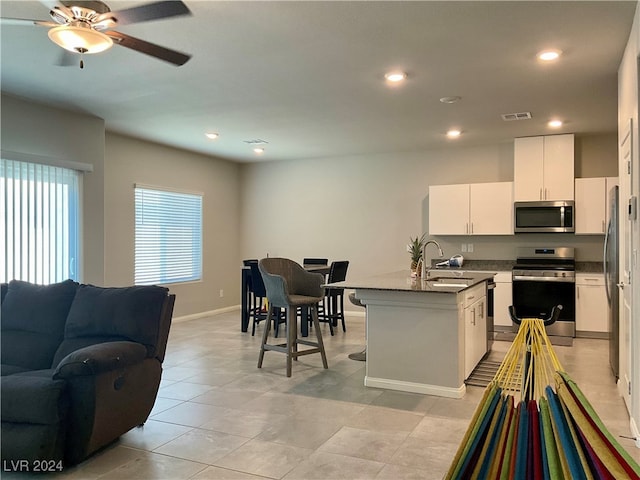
(80, 39)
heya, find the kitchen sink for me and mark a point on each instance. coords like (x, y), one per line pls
(448, 281)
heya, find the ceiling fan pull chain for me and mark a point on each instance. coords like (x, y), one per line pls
(81, 51)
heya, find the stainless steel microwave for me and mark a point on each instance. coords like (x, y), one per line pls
(544, 217)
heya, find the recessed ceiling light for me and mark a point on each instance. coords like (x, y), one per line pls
(555, 123)
(395, 76)
(549, 55)
(453, 133)
(452, 99)
(258, 150)
(212, 135)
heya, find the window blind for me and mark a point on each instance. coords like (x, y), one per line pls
(168, 244)
(39, 237)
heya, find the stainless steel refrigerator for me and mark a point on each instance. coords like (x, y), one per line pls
(611, 278)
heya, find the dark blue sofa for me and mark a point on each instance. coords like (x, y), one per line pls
(80, 366)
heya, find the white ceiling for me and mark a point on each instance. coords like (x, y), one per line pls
(307, 77)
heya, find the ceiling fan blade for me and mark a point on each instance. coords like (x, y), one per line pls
(162, 53)
(63, 10)
(145, 13)
(27, 21)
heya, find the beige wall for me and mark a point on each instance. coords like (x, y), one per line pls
(596, 155)
(364, 209)
(119, 162)
(360, 208)
(31, 128)
(129, 161)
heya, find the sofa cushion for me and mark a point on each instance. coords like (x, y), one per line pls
(32, 322)
(33, 398)
(125, 313)
(11, 369)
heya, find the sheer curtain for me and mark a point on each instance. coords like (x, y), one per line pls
(39, 237)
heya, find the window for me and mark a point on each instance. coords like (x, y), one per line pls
(39, 238)
(168, 236)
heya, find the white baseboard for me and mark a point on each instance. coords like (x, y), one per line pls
(194, 316)
(412, 387)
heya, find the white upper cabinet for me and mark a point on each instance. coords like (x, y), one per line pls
(471, 209)
(449, 209)
(592, 210)
(544, 168)
(491, 208)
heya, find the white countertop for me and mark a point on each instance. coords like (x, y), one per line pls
(440, 281)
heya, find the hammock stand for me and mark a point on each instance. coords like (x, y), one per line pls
(533, 421)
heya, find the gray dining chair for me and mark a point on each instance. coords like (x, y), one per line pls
(290, 286)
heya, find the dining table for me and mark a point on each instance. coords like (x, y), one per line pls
(246, 297)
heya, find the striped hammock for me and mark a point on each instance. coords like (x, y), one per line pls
(533, 422)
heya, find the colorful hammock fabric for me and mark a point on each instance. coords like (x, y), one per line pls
(524, 428)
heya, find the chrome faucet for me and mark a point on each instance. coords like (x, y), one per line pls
(424, 256)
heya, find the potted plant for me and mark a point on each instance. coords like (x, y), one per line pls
(415, 247)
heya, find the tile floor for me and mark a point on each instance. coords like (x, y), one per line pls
(219, 417)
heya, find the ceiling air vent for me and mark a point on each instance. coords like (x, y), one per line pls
(509, 117)
(256, 141)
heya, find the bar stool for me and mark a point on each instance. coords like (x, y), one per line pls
(333, 303)
(360, 356)
(290, 286)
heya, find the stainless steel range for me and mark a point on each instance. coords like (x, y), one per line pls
(543, 278)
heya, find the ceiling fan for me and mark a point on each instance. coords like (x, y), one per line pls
(86, 27)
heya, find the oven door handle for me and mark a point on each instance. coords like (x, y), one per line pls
(555, 314)
(526, 278)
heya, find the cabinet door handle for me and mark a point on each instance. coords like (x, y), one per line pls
(481, 306)
(603, 230)
(577, 292)
(473, 321)
(471, 227)
(541, 194)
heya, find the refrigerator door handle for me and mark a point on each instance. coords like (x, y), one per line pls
(607, 287)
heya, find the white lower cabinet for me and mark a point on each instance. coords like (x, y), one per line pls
(475, 326)
(591, 305)
(502, 299)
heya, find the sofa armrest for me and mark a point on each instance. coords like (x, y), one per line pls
(100, 358)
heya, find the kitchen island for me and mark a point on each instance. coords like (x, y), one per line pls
(423, 335)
